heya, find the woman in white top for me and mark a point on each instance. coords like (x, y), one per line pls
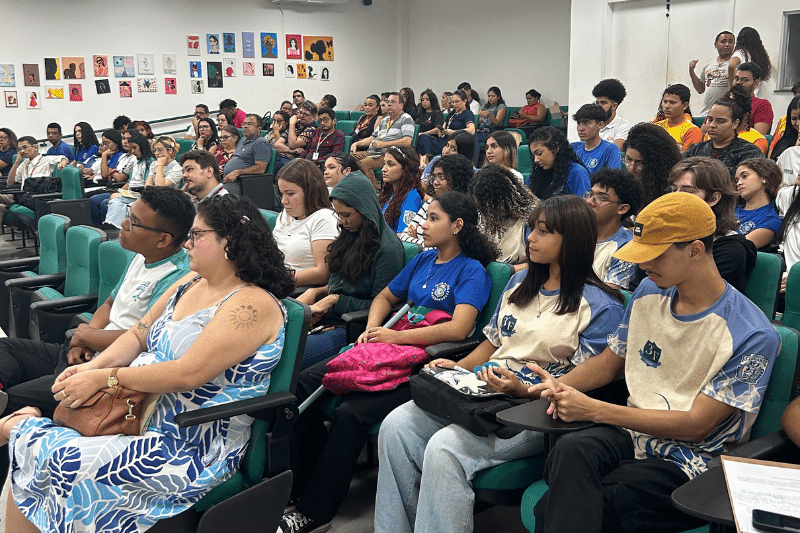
(307, 224)
(166, 172)
(501, 149)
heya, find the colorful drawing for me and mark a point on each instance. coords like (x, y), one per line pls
(195, 69)
(100, 64)
(11, 99)
(32, 99)
(212, 41)
(197, 86)
(269, 45)
(123, 67)
(268, 69)
(147, 63)
(54, 92)
(193, 45)
(229, 43)
(229, 67)
(214, 71)
(30, 73)
(7, 78)
(326, 74)
(102, 86)
(312, 73)
(302, 73)
(317, 48)
(170, 63)
(248, 44)
(75, 92)
(293, 50)
(73, 68)
(146, 85)
(51, 68)
(249, 68)
(125, 89)
(289, 70)
(170, 85)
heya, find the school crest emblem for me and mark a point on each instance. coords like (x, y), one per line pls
(651, 354)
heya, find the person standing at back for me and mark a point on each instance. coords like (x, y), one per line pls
(713, 81)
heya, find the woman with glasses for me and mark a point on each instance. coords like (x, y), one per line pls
(402, 192)
(214, 337)
(650, 153)
(229, 137)
(362, 260)
(460, 119)
(278, 127)
(207, 138)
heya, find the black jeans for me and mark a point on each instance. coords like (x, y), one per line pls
(323, 462)
(595, 484)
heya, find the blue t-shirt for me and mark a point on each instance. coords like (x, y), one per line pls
(6, 156)
(605, 154)
(86, 156)
(62, 149)
(578, 180)
(764, 217)
(459, 121)
(461, 280)
(113, 161)
(408, 209)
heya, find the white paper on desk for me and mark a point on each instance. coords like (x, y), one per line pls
(754, 484)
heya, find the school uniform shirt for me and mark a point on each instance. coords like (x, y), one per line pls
(294, 236)
(578, 180)
(411, 204)
(607, 267)
(86, 156)
(789, 162)
(6, 156)
(616, 129)
(764, 217)
(172, 172)
(462, 280)
(725, 352)
(685, 133)
(557, 343)
(63, 150)
(605, 154)
(513, 245)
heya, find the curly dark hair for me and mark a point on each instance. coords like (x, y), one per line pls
(712, 176)
(627, 188)
(590, 112)
(749, 41)
(250, 242)
(472, 242)
(659, 152)
(88, 136)
(681, 91)
(352, 253)
(173, 208)
(12, 137)
(544, 183)
(410, 180)
(571, 217)
(789, 137)
(457, 170)
(501, 199)
(611, 89)
(738, 101)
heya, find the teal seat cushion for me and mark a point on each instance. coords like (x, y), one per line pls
(229, 488)
(50, 293)
(516, 474)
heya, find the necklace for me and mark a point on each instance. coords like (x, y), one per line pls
(429, 275)
(539, 302)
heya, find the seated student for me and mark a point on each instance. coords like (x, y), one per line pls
(108, 158)
(328, 101)
(504, 206)
(86, 145)
(228, 137)
(782, 122)
(298, 136)
(409, 107)
(650, 153)
(366, 124)
(143, 127)
(788, 139)
(252, 154)
(748, 76)
(120, 172)
(724, 144)
(430, 118)
(461, 143)
(307, 225)
(32, 171)
(556, 170)
(451, 278)
(402, 192)
(138, 171)
(237, 115)
(790, 421)
(286, 107)
(447, 103)
(609, 94)
(592, 150)
(501, 149)
(207, 137)
(743, 130)
(58, 147)
(533, 113)
(326, 139)
(460, 119)
(789, 234)
(472, 101)
(758, 181)
(451, 172)
(8, 147)
(615, 195)
(120, 124)
(685, 342)
(362, 261)
(492, 114)
(545, 316)
(337, 166)
(678, 117)
(202, 177)
(278, 127)
(200, 111)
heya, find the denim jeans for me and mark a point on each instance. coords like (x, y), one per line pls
(426, 466)
(323, 345)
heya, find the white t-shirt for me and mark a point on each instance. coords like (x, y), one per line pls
(41, 166)
(474, 106)
(172, 172)
(294, 237)
(714, 76)
(789, 161)
(616, 129)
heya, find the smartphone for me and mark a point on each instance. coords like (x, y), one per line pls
(779, 523)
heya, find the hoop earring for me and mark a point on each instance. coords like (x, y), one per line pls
(226, 256)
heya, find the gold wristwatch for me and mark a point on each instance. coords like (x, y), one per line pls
(112, 379)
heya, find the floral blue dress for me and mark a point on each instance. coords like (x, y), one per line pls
(64, 482)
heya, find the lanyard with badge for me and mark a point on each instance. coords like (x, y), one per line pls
(315, 155)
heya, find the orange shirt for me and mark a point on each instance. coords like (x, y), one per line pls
(685, 133)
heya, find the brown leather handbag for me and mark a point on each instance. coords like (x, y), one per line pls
(110, 411)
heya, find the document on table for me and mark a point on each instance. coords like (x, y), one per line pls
(754, 484)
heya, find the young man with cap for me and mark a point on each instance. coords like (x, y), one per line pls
(697, 356)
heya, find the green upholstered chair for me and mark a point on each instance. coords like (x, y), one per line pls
(345, 126)
(524, 159)
(764, 283)
(270, 216)
(185, 144)
(356, 115)
(342, 115)
(699, 121)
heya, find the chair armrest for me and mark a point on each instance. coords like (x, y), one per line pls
(261, 408)
(768, 446)
(533, 415)
(19, 265)
(356, 317)
(63, 303)
(449, 350)
(50, 280)
(46, 195)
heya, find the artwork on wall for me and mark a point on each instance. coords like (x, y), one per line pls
(195, 69)
(293, 50)
(73, 68)
(229, 43)
(312, 71)
(146, 63)
(125, 89)
(268, 69)
(170, 63)
(248, 44)
(229, 67)
(249, 68)
(146, 85)
(100, 64)
(7, 78)
(123, 67)
(212, 43)
(171, 85)
(11, 99)
(193, 45)
(51, 68)
(302, 73)
(32, 100)
(326, 74)
(269, 45)
(75, 92)
(30, 73)
(102, 86)
(197, 86)
(54, 92)
(316, 48)
(289, 70)
(214, 72)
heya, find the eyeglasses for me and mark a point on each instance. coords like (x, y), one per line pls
(137, 225)
(345, 218)
(638, 165)
(225, 137)
(195, 232)
(598, 199)
(441, 178)
(305, 114)
(248, 123)
(682, 188)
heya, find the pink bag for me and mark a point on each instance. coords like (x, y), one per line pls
(377, 366)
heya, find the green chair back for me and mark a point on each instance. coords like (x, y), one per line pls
(416, 134)
(270, 216)
(347, 141)
(52, 244)
(345, 126)
(185, 144)
(764, 282)
(83, 265)
(71, 184)
(699, 121)
(271, 164)
(499, 273)
(791, 315)
(356, 115)
(410, 250)
(524, 159)
(342, 115)
(114, 260)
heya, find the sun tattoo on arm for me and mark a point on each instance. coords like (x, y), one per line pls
(244, 317)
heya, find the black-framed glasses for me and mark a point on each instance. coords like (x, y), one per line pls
(193, 233)
(598, 199)
(137, 225)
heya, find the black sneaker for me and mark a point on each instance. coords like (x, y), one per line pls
(297, 522)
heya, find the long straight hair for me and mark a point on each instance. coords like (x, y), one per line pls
(789, 137)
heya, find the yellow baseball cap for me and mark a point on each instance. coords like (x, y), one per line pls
(674, 217)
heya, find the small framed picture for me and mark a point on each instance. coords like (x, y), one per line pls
(11, 99)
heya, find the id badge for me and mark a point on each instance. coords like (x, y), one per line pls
(315, 156)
